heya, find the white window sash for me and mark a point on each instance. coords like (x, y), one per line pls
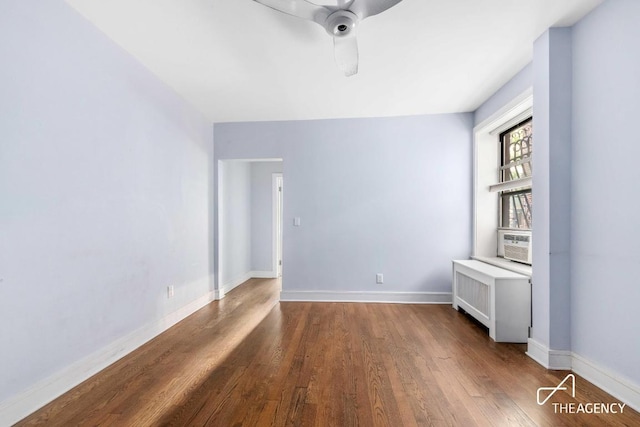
(512, 185)
(522, 161)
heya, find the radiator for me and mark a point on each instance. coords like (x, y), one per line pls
(473, 292)
(497, 298)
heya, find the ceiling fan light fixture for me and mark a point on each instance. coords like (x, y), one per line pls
(341, 23)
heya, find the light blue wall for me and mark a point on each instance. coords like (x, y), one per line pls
(262, 214)
(551, 314)
(105, 193)
(235, 234)
(518, 84)
(585, 175)
(605, 252)
(390, 195)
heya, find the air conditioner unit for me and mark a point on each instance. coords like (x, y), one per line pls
(515, 245)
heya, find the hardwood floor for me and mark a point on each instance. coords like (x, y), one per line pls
(248, 360)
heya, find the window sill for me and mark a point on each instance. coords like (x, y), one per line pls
(506, 264)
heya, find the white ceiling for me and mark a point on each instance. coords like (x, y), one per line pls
(237, 60)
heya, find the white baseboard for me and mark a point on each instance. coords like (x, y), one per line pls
(268, 274)
(538, 352)
(382, 297)
(18, 407)
(616, 386)
(560, 360)
(550, 359)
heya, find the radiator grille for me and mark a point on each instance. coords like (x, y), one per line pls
(473, 292)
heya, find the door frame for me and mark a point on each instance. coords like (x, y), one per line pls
(277, 205)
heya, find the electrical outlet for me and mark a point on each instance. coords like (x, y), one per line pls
(379, 278)
(170, 291)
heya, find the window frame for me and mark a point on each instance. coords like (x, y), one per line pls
(486, 160)
(511, 187)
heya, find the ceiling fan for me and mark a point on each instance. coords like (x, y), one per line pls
(339, 21)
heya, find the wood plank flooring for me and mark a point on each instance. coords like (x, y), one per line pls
(248, 360)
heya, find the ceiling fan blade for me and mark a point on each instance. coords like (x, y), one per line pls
(344, 4)
(365, 8)
(346, 52)
(299, 8)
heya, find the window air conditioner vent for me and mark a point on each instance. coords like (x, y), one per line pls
(515, 245)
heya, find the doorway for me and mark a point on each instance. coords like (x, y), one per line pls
(249, 224)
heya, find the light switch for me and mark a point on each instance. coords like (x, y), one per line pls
(296, 221)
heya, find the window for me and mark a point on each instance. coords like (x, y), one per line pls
(516, 198)
(502, 183)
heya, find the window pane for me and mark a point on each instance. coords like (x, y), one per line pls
(516, 209)
(516, 148)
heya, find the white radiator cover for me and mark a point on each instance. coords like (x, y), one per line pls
(499, 299)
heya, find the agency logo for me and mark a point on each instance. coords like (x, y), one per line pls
(568, 384)
(568, 379)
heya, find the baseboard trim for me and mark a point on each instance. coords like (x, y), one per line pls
(372, 297)
(267, 274)
(538, 352)
(550, 359)
(35, 397)
(616, 386)
(560, 360)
